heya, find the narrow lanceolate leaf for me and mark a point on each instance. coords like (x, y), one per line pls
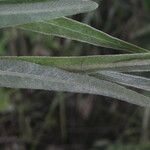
(20, 74)
(68, 28)
(125, 79)
(122, 63)
(21, 13)
(19, 1)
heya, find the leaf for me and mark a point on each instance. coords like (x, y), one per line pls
(68, 28)
(122, 63)
(20, 1)
(20, 74)
(17, 14)
(124, 79)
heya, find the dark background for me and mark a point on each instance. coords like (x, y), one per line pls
(45, 120)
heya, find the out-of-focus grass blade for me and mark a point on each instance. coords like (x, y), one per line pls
(5, 105)
(122, 63)
(141, 32)
(22, 13)
(20, 74)
(125, 79)
(68, 28)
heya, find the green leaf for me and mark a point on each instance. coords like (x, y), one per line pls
(122, 63)
(17, 14)
(20, 74)
(124, 79)
(68, 28)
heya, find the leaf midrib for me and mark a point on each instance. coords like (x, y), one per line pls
(99, 39)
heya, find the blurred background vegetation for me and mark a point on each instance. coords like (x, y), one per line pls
(46, 120)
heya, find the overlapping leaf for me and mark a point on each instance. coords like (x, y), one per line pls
(92, 74)
(19, 74)
(124, 79)
(122, 63)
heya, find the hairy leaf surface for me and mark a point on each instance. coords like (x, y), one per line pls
(122, 63)
(68, 28)
(20, 74)
(125, 79)
(16, 14)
